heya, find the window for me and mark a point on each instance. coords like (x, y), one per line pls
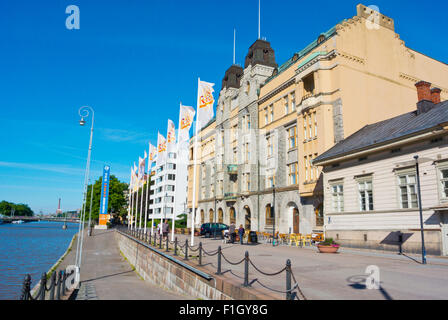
(407, 188)
(308, 85)
(306, 169)
(304, 127)
(266, 121)
(171, 176)
(292, 137)
(337, 197)
(315, 124)
(292, 174)
(171, 166)
(270, 147)
(365, 195)
(310, 126)
(293, 101)
(286, 105)
(269, 215)
(272, 113)
(443, 174)
(169, 188)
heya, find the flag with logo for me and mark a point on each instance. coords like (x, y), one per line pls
(152, 157)
(186, 116)
(161, 150)
(171, 137)
(205, 103)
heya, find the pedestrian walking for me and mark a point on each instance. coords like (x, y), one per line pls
(241, 233)
(232, 233)
(165, 229)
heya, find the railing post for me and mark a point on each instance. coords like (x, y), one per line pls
(246, 269)
(26, 287)
(53, 280)
(200, 253)
(288, 280)
(150, 238)
(186, 249)
(160, 241)
(43, 285)
(64, 278)
(58, 292)
(175, 246)
(219, 261)
(167, 244)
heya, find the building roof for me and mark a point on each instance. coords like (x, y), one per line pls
(388, 130)
(300, 54)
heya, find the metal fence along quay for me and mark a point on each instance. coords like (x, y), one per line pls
(57, 287)
(162, 246)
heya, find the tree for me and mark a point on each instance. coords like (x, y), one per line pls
(20, 209)
(117, 202)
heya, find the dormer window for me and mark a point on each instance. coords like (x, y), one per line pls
(320, 39)
(247, 87)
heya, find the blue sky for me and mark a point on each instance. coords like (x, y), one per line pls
(133, 61)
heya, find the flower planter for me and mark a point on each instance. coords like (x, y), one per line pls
(328, 249)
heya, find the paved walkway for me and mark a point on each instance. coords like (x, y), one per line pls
(335, 276)
(106, 275)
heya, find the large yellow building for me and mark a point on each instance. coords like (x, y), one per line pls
(347, 78)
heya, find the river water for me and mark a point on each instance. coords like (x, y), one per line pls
(30, 248)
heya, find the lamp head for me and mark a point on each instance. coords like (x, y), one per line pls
(82, 121)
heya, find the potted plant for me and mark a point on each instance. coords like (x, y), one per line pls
(328, 246)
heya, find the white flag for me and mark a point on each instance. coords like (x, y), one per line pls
(161, 150)
(171, 137)
(205, 103)
(152, 157)
(186, 116)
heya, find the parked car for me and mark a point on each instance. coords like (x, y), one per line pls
(208, 229)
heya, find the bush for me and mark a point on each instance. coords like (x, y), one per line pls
(329, 242)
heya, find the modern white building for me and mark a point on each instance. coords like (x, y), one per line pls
(169, 190)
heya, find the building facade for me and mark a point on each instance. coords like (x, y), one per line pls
(371, 184)
(273, 121)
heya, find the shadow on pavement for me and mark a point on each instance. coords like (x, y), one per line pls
(358, 282)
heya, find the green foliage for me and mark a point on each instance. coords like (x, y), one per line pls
(182, 222)
(117, 203)
(328, 242)
(20, 209)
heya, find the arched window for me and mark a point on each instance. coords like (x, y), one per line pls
(211, 215)
(232, 215)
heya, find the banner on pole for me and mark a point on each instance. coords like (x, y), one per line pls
(104, 217)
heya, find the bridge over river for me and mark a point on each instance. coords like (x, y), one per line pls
(35, 218)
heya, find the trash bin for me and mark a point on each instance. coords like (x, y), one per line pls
(253, 239)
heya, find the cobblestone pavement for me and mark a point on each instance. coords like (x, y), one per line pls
(333, 276)
(106, 275)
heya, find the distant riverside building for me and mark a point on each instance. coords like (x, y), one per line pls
(370, 181)
(273, 121)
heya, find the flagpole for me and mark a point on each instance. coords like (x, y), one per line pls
(194, 168)
(129, 204)
(136, 207)
(147, 187)
(141, 202)
(177, 170)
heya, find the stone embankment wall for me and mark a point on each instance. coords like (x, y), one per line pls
(165, 272)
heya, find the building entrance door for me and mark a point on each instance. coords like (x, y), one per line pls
(444, 216)
(295, 220)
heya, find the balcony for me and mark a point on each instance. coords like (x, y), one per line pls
(230, 196)
(232, 169)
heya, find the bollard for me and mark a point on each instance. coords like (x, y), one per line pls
(53, 280)
(186, 249)
(175, 246)
(288, 280)
(219, 261)
(26, 287)
(167, 244)
(200, 253)
(43, 284)
(246, 269)
(58, 292)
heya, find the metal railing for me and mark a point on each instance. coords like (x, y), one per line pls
(57, 287)
(292, 290)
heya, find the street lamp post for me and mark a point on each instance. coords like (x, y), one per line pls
(89, 231)
(420, 210)
(84, 112)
